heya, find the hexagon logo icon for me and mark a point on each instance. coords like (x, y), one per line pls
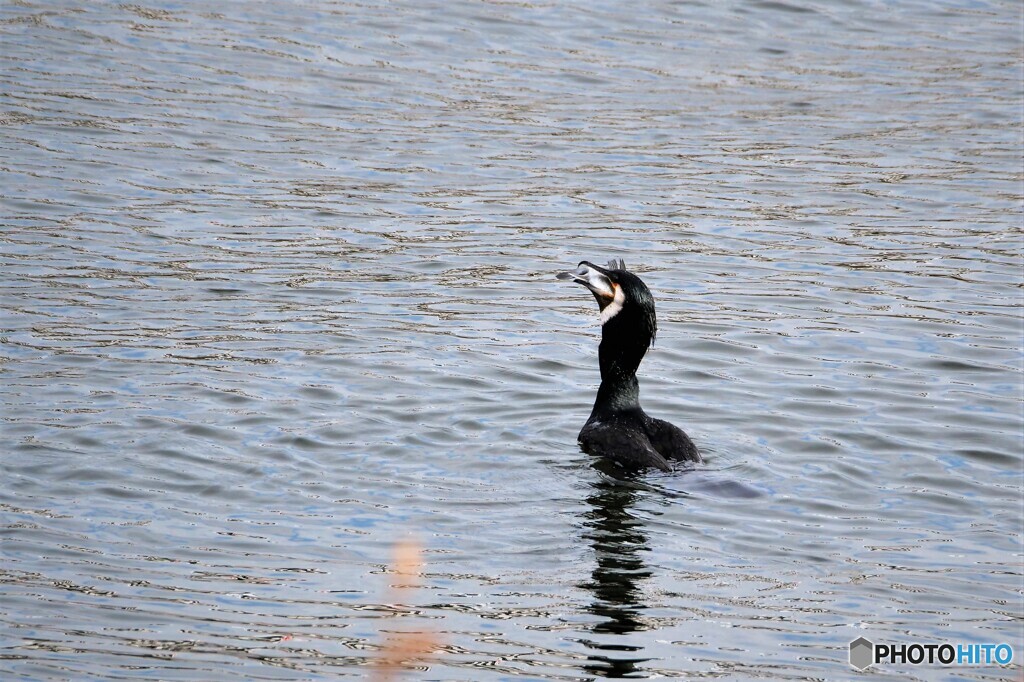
(862, 653)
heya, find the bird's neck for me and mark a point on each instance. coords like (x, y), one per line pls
(618, 394)
(620, 354)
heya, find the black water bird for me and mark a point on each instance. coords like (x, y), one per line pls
(618, 427)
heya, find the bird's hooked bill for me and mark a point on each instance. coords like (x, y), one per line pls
(591, 277)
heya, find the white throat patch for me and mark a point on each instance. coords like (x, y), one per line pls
(613, 308)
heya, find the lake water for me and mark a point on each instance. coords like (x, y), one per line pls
(279, 294)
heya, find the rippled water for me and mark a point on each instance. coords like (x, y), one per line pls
(278, 292)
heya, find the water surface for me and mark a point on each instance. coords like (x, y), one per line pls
(278, 292)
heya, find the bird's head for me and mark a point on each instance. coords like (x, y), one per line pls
(626, 304)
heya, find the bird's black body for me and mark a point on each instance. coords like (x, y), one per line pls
(618, 427)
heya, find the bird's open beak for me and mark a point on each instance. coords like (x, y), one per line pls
(593, 278)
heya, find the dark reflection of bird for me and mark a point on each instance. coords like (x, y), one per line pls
(619, 542)
(618, 428)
